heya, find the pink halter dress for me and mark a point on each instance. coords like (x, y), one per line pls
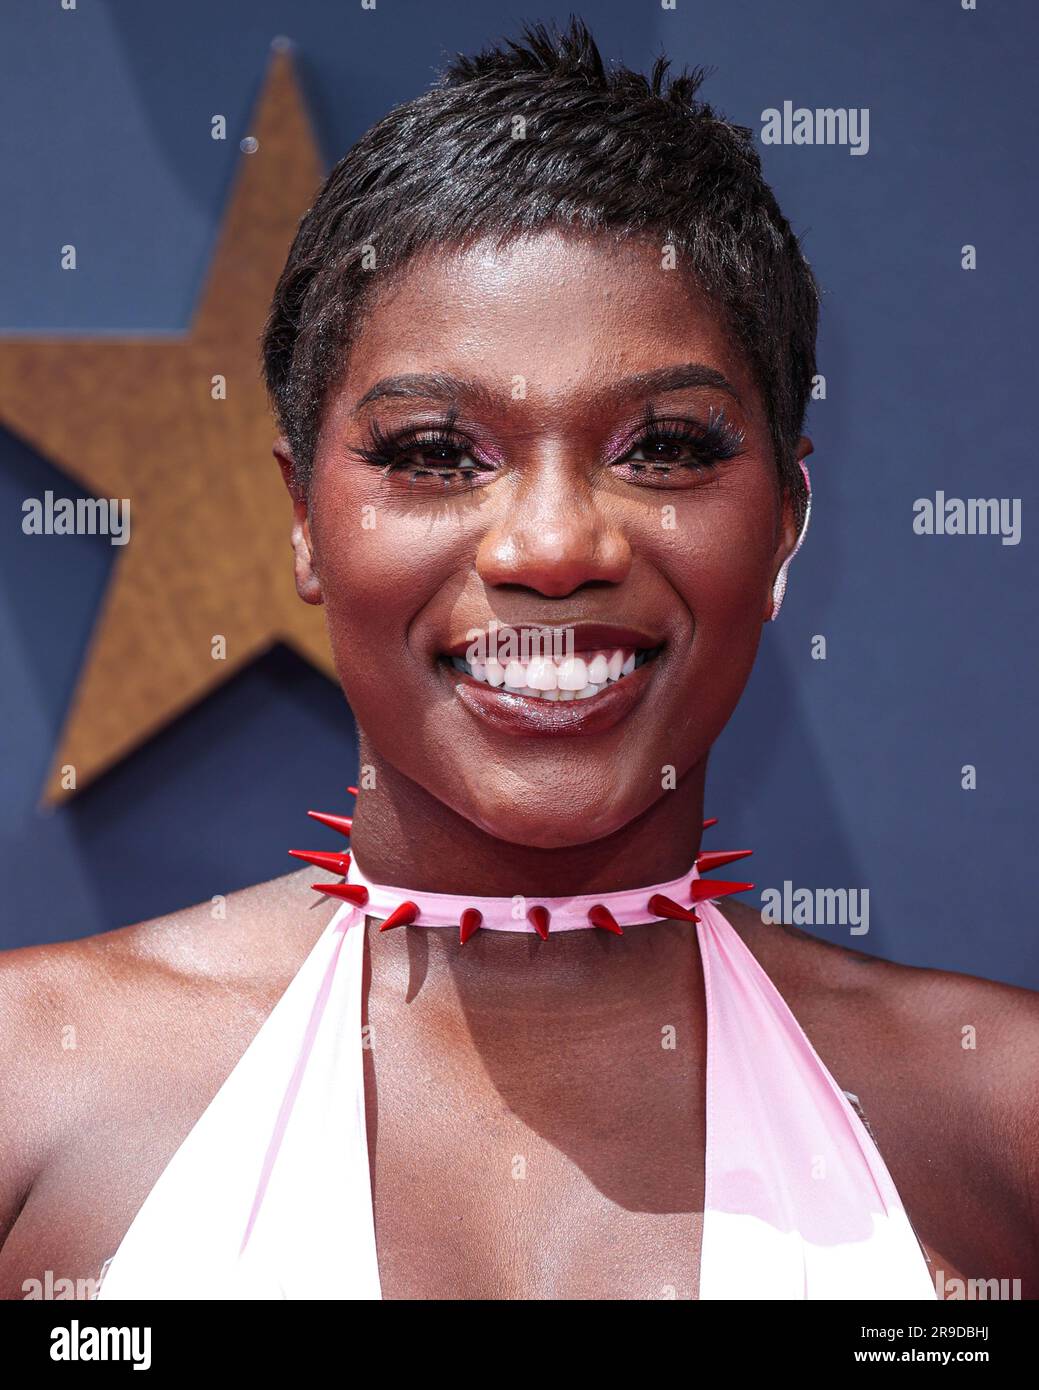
(269, 1195)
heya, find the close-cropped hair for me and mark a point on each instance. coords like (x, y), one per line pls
(533, 134)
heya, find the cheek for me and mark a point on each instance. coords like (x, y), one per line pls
(718, 550)
(378, 567)
(718, 561)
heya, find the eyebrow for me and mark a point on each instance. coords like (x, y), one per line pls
(441, 386)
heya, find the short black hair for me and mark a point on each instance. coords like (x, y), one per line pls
(532, 134)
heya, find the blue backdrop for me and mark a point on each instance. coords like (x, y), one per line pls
(843, 772)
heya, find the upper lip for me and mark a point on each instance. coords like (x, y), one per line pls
(587, 636)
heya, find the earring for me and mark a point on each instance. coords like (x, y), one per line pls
(779, 587)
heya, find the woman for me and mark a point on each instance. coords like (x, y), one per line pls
(540, 358)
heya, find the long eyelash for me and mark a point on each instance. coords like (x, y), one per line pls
(715, 442)
(386, 451)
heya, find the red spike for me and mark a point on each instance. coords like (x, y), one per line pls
(600, 916)
(539, 918)
(471, 922)
(708, 823)
(352, 791)
(349, 892)
(703, 888)
(664, 907)
(714, 859)
(322, 859)
(402, 916)
(341, 823)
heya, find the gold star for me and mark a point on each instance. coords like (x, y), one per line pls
(139, 418)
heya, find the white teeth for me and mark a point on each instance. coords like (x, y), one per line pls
(541, 678)
(599, 670)
(542, 674)
(573, 674)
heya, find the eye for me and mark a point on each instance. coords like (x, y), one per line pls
(666, 448)
(430, 457)
(662, 452)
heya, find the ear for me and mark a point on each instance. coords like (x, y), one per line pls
(789, 531)
(308, 586)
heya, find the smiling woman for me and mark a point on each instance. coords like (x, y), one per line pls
(539, 357)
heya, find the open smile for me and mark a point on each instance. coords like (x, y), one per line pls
(579, 677)
(585, 690)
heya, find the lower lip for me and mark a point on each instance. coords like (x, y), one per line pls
(517, 714)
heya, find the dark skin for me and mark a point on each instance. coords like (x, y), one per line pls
(512, 1052)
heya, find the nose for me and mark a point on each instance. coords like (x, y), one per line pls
(554, 536)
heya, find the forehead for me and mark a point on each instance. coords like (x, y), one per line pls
(564, 313)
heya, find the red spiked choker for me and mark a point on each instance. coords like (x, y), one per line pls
(611, 912)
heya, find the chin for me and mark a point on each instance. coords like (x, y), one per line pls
(538, 817)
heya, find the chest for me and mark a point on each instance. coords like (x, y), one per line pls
(553, 1162)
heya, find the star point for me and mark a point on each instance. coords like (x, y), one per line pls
(179, 424)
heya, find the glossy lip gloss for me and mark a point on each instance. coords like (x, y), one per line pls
(520, 715)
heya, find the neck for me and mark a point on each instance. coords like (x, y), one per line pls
(406, 838)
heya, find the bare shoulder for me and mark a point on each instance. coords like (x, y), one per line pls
(91, 1024)
(997, 1023)
(238, 941)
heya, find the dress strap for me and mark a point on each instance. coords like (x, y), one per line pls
(798, 1202)
(269, 1195)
